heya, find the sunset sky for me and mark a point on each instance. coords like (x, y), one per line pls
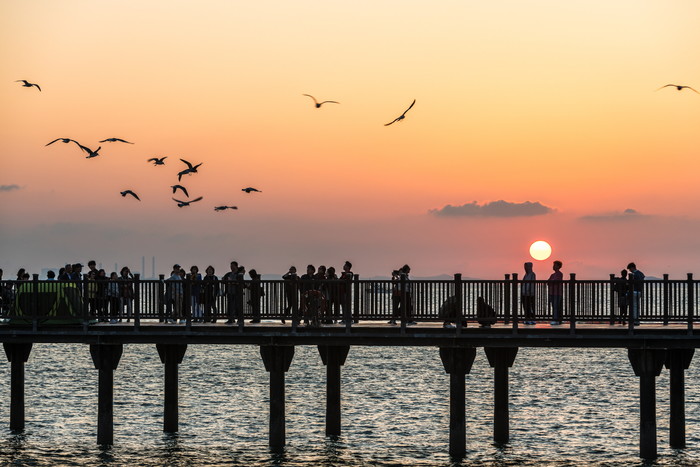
(536, 120)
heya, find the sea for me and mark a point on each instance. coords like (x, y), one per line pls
(568, 407)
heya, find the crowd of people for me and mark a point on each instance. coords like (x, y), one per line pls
(321, 295)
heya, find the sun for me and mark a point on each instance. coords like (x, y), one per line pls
(540, 250)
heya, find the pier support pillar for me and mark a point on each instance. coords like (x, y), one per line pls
(457, 362)
(17, 355)
(171, 356)
(333, 356)
(277, 359)
(647, 364)
(106, 359)
(677, 361)
(500, 359)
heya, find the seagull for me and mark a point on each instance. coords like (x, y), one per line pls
(65, 140)
(90, 152)
(157, 161)
(114, 140)
(192, 169)
(184, 190)
(402, 116)
(129, 192)
(249, 189)
(223, 208)
(319, 104)
(27, 84)
(677, 86)
(181, 204)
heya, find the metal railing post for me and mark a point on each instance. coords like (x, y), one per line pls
(459, 302)
(506, 300)
(137, 301)
(572, 303)
(665, 302)
(613, 296)
(161, 299)
(356, 298)
(35, 301)
(691, 302)
(514, 301)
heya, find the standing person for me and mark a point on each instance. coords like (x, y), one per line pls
(113, 293)
(230, 284)
(92, 266)
(91, 294)
(320, 278)
(637, 279)
(77, 274)
(527, 294)
(127, 291)
(344, 293)
(65, 272)
(210, 289)
(621, 286)
(555, 291)
(395, 296)
(332, 294)
(406, 295)
(291, 291)
(195, 281)
(102, 295)
(174, 295)
(255, 292)
(306, 286)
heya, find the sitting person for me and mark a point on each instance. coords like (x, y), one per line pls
(485, 313)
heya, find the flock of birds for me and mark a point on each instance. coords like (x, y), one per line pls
(192, 168)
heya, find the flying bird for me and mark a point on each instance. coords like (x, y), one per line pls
(223, 208)
(402, 116)
(64, 140)
(158, 161)
(89, 151)
(181, 204)
(180, 187)
(319, 104)
(191, 169)
(249, 189)
(115, 140)
(129, 192)
(27, 84)
(678, 87)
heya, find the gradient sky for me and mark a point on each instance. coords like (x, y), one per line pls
(549, 107)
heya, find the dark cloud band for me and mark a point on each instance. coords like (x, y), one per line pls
(499, 208)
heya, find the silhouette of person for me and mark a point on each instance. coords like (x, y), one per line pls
(231, 278)
(555, 288)
(291, 292)
(621, 287)
(406, 295)
(256, 292)
(527, 294)
(395, 296)
(637, 279)
(210, 288)
(344, 296)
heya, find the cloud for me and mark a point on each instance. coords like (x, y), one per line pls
(499, 208)
(627, 214)
(9, 187)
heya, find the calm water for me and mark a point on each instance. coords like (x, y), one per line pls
(568, 407)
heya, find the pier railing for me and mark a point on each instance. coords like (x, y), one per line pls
(42, 302)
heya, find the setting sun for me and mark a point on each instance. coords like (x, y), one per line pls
(540, 250)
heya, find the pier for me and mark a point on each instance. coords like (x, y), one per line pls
(356, 314)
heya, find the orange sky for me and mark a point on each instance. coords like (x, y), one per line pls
(548, 102)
